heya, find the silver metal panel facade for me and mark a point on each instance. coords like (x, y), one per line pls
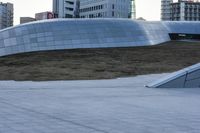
(183, 27)
(87, 33)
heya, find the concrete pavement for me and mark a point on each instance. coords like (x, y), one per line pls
(98, 106)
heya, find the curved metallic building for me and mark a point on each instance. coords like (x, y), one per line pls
(89, 33)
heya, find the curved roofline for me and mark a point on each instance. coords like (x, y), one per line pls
(73, 19)
(91, 19)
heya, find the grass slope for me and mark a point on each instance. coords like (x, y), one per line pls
(99, 63)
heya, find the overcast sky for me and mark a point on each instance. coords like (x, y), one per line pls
(148, 9)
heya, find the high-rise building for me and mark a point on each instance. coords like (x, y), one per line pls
(94, 8)
(166, 9)
(107, 8)
(66, 8)
(6, 15)
(184, 10)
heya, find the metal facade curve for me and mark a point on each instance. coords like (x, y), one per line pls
(88, 33)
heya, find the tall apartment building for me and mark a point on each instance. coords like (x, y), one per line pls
(94, 8)
(66, 8)
(6, 15)
(166, 9)
(185, 11)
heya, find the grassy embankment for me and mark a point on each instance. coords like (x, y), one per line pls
(99, 63)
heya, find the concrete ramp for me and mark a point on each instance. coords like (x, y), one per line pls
(185, 78)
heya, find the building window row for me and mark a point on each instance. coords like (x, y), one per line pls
(95, 15)
(93, 8)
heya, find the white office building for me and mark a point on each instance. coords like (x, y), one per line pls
(94, 8)
(6, 15)
(66, 8)
(107, 8)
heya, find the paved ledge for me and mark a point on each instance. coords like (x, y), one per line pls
(97, 106)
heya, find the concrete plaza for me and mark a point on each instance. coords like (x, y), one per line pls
(98, 106)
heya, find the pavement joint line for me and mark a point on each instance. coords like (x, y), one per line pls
(2, 100)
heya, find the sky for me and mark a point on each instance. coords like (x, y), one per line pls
(148, 9)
